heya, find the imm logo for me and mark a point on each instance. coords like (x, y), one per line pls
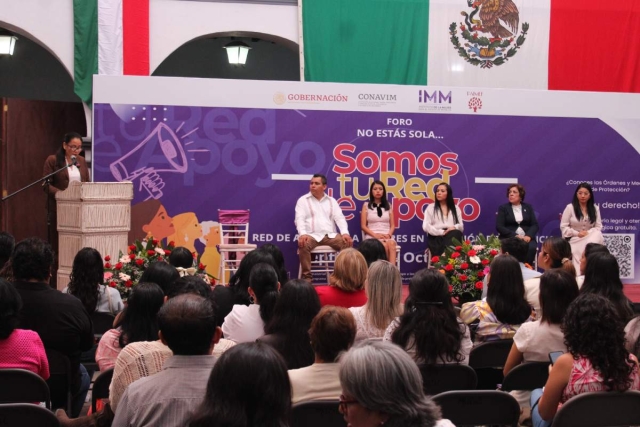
(436, 97)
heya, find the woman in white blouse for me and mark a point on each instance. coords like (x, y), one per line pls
(442, 221)
(581, 222)
(384, 301)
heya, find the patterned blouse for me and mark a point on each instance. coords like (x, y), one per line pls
(585, 378)
(489, 328)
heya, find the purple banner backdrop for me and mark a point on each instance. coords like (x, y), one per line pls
(191, 161)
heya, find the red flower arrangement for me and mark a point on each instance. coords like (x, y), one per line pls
(466, 264)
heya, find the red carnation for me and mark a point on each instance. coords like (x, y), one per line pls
(201, 266)
(160, 259)
(151, 253)
(155, 242)
(107, 258)
(480, 274)
(450, 288)
(167, 253)
(132, 256)
(463, 278)
(172, 243)
(464, 266)
(467, 242)
(455, 255)
(485, 262)
(435, 259)
(472, 253)
(194, 255)
(479, 285)
(448, 267)
(139, 261)
(213, 281)
(458, 248)
(119, 266)
(112, 284)
(132, 248)
(493, 252)
(128, 284)
(107, 265)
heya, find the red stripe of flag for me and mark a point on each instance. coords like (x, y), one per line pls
(135, 37)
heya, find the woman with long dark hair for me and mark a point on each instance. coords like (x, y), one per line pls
(581, 222)
(429, 329)
(288, 330)
(602, 277)
(278, 258)
(248, 387)
(442, 221)
(596, 358)
(161, 273)
(590, 248)
(247, 323)
(376, 219)
(518, 219)
(138, 322)
(85, 283)
(506, 308)
(239, 282)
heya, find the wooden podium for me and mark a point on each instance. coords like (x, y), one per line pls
(92, 214)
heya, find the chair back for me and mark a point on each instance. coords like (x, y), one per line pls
(22, 386)
(26, 414)
(440, 378)
(234, 226)
(317, 413)
(600, 409)
(102, 322)
(60, 380)
(479, 407)
(101, 388)
(488, 359)
(527, 376)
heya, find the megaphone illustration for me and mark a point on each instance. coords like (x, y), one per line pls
(135, 163)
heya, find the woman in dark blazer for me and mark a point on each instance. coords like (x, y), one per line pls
(517, 219)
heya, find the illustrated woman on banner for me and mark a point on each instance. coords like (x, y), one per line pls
(149, 219)
(376, 219)
(188, 230)
(211, 239)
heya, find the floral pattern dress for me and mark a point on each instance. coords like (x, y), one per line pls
(489, 327)
(584, 378)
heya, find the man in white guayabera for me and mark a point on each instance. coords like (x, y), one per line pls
(316, 218)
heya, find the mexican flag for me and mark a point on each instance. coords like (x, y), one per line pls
(110, 37)
(590, 45)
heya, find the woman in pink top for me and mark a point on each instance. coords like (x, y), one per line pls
(19, 348)
(596, 359)
(376, 219)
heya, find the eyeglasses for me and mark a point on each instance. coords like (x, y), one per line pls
(343, 406)
(75, 147)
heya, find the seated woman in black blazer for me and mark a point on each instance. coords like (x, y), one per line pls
(517, 219)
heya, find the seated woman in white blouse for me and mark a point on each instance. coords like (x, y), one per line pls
(442, 221)
(246, 323)
(581, 223)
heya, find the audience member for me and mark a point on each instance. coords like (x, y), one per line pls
(506, 308)
(332, 332)
(19, 348)
(372, 250)
(85, 283)
(381, 385)
(596, 359)
(169, 398)
(518, 249)
(535, 340)
(316, 218)
(138, 322)
(278, 258)
(346, 284)
(7, 243)
(288, 330)
(384, 301)
(182, 259)
(590, 248)
(602, 277)
(246, 323)
(632, 336)
(429, 329)
(61, 321)
(160, 273)
(248, 387)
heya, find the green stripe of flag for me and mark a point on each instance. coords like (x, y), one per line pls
(85, 40)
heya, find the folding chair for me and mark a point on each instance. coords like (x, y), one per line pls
(101, 388)
(440, 378)
(234, 235)
(26, 414)
(488, 359)
(22, 386)
(102, 322)
(59, 381)
(323, 259)
(527, 376)
(317, 413)
(479, 407)
(600, 409)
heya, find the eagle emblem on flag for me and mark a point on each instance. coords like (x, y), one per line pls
(489, 32)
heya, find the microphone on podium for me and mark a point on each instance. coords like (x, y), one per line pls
(74, 162)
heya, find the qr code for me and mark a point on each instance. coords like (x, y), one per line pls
(622, 246)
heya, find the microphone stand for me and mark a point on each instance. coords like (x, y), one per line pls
(46, 183)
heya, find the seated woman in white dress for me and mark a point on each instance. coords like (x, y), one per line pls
(442, 221)
(384, 301)
(376, 219)
(581, 222)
